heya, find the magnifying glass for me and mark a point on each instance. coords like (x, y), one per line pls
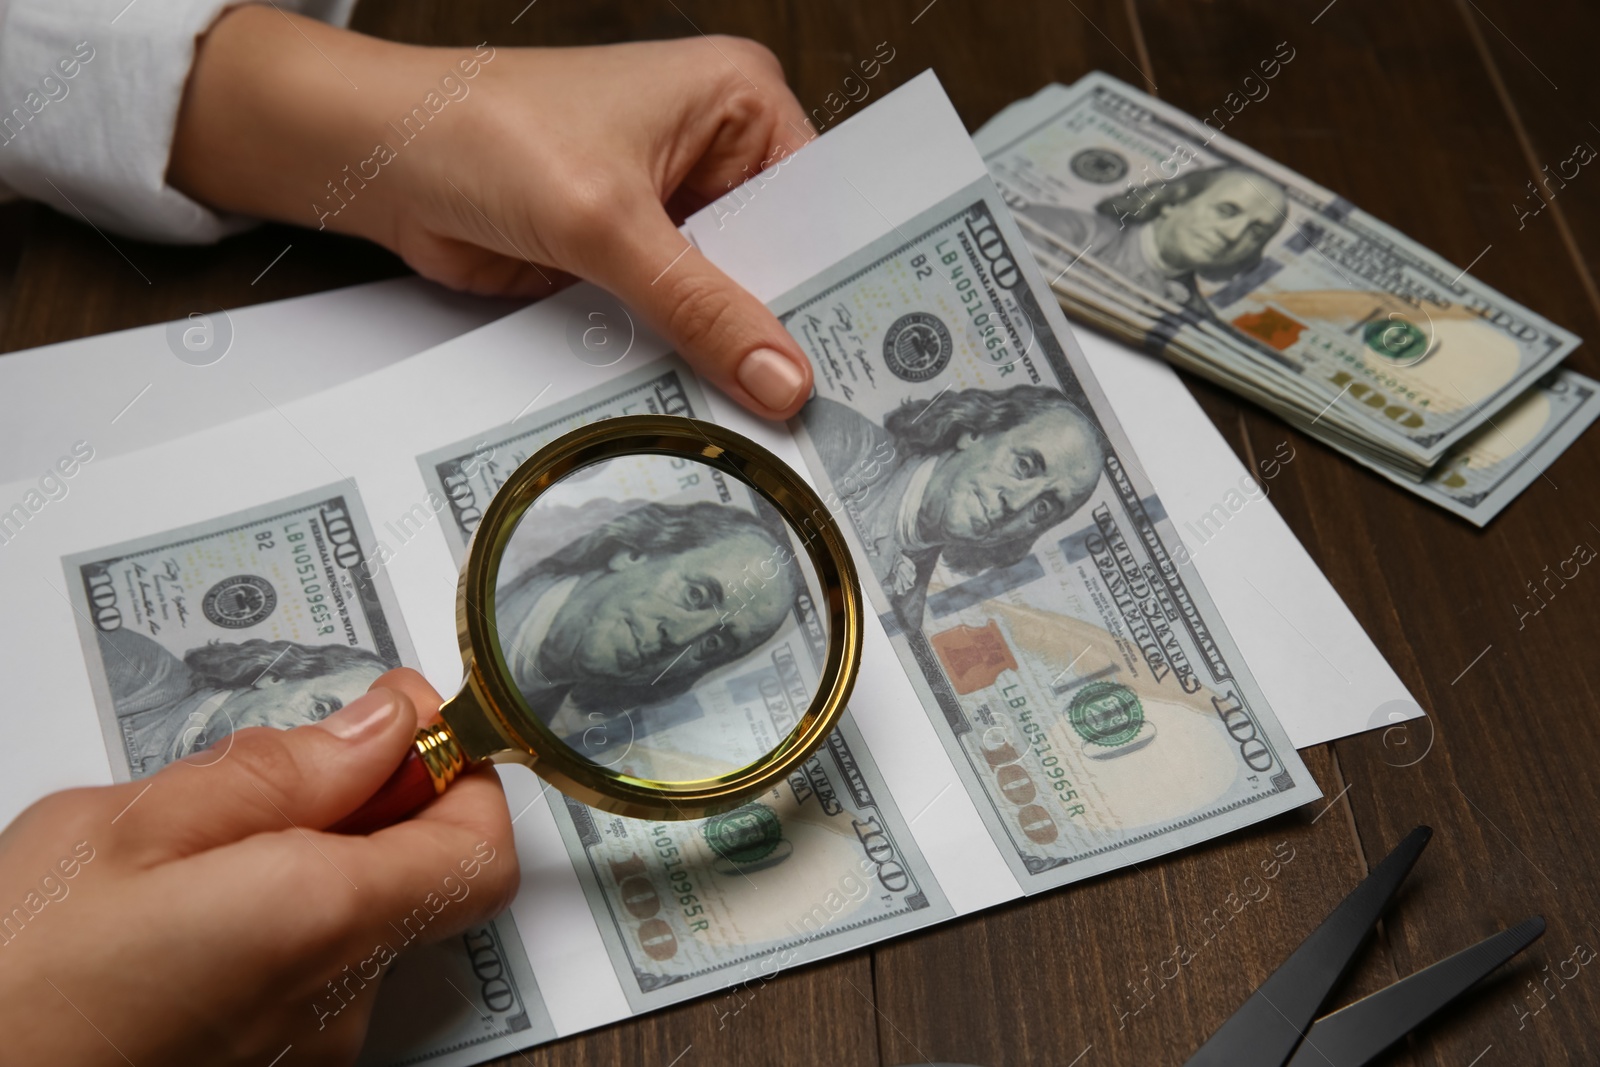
(656, 614)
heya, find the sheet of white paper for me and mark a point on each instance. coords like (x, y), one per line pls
(127, 390)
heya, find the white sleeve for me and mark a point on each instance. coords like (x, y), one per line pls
(89, 97)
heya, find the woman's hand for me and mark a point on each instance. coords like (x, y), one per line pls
(502, 171)
(199, 915)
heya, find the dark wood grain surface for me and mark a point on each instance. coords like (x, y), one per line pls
(1434, 115)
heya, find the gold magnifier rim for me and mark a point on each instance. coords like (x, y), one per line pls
(802, 510)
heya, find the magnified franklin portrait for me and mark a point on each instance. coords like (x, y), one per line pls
(639, 608)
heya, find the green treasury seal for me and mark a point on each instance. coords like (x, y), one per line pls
(1106, 713)
(747, 839)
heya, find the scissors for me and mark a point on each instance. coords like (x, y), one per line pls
(1275, 1026)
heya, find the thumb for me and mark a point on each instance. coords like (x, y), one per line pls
(259, 780)
(725, 333)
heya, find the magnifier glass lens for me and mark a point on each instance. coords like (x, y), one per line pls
(660, 618)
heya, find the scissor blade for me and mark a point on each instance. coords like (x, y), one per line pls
(1358, 1034)
(1265, 1030)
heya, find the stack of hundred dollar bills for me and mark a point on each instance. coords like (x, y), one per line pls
(1157, 228)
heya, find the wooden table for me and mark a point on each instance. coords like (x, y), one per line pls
(1432, 115)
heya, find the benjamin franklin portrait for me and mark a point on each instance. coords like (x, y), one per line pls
(168, 708)
(972, 478)
(639, 608)
(1213, 223)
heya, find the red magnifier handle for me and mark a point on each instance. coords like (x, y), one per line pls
(433, 761)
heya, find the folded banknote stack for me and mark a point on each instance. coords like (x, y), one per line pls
(1155, 227)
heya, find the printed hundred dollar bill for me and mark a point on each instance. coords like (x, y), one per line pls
(260, 618)
(821, 864)
(269, 617)
(1083, 682)
(1334, 312)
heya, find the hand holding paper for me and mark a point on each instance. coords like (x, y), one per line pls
(507, 171)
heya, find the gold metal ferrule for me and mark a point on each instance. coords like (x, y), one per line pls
(440, 753)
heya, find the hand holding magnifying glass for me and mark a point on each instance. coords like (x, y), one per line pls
(646, 665)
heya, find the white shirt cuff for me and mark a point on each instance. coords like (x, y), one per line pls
(89, 104)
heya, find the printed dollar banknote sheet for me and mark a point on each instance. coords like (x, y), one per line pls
(1048, 689)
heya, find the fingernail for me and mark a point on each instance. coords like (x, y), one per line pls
(771, 377)
(361, 716)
